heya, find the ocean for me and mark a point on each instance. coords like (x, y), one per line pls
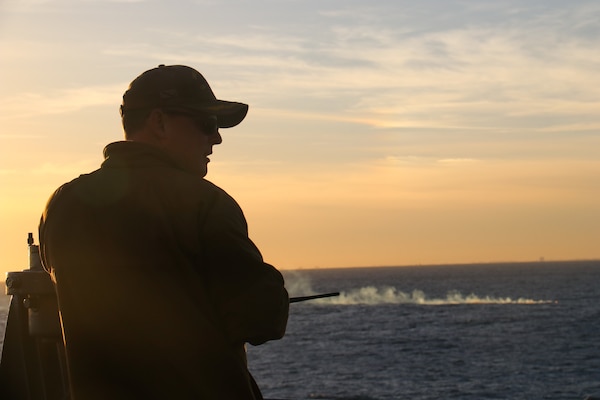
(488, 331)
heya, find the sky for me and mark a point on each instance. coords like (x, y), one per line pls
(380, 133)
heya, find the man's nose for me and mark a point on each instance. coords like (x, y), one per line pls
(216, 138)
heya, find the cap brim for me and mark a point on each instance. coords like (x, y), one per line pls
(228, 113)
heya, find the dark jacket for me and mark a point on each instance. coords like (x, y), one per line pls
(159, 286)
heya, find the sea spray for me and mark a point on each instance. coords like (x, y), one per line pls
(300, 285)
(371, 295)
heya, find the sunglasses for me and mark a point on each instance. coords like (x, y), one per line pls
(207, 124)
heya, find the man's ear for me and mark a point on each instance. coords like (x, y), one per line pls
(156, 124)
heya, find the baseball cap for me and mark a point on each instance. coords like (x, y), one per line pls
(180, 88)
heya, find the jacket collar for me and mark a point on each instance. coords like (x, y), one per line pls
(135, 154)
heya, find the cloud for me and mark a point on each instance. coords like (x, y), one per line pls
(29, 104)
(478, 68)
(456, 160)
(480, 59)
(33, 6)
(483, 75)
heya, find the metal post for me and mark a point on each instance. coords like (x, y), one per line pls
(33, 363)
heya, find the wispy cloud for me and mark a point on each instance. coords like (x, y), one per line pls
(489, 73)
(469, 66)
(25, 105)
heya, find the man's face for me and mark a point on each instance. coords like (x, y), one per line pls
(189, 140)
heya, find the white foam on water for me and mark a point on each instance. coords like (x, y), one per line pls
(299, 284)
(372, 295)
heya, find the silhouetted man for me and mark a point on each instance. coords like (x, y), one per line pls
(159, 286)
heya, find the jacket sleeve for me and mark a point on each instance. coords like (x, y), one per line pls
(249, 294)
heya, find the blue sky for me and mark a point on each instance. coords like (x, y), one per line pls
(379, 133)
